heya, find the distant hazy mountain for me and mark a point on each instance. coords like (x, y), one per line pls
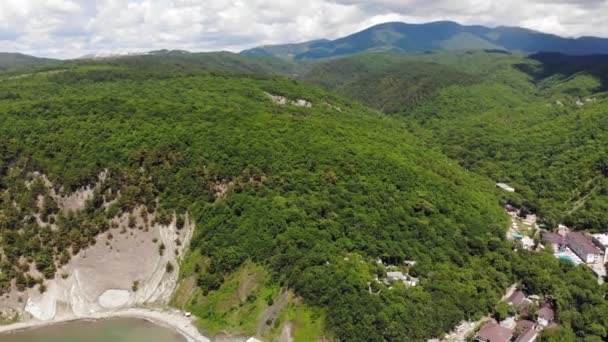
(443, 35)
(10, 60)
(110, 55)
(286, 50)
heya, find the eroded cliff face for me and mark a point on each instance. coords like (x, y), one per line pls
(133, 262)
(121, 270)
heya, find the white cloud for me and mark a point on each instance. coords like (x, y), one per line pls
(70, 28)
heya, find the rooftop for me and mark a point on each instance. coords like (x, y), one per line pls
(525, 324)
(582, 243)
(527, 331)
(493, 332)
(602, 239)
(547, 313)
(517, 298)
(553, 238)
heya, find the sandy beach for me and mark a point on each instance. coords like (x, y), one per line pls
(172, 319)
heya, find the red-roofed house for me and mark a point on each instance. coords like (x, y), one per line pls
(545, 315)
(493, 332)
(555, 240)
(516, 299)
(526, 331)
(584, 247)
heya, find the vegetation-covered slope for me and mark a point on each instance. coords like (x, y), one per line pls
(437, 36)
(389, 82)
(11, 60)
(305, 187)
(284, 196)
(225, 61)
(535, 122)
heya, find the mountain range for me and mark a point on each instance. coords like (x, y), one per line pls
(436, 36)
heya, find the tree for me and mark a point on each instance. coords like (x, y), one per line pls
(502, 311)
(560, 334)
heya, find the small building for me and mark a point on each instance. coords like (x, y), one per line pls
(555, 240)
(399, 276)
(396, 276)
(584, 247)
(493, 332)
(546, 315)
(601, 241)
(517, 299)
(411, 281)
(505, 187)
(526, 331)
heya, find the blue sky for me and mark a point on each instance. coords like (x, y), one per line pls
(72, 28)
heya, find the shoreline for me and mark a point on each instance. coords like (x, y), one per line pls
(171, 319)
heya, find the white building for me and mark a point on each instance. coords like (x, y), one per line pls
(396, 276)
(545, 316)
(399, 276)
(601, 240)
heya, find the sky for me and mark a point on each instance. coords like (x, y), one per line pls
(73, 28)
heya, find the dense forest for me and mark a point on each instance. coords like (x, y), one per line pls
(534, 122)
(307, 186)
(313, 194)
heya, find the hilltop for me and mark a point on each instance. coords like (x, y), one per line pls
(436, 36)
(11, 60)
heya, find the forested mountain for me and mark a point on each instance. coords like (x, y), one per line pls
(534, 122)
(225, 61)
(296, 189)
(304, 188)
(291, 187)
(443, 35)
(10, 60)
(389, 82)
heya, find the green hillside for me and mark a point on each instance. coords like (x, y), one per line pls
(225, 61)
(309, 186)
(301, 194)
(392, 83)
(534, 122)
(11, 60)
